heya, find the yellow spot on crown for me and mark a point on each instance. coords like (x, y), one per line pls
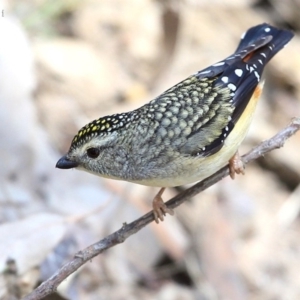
(103, 121)
(95, 128)
(107, 125)
(80, 133)
(103, 127)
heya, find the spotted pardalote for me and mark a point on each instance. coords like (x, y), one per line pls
(187, 133)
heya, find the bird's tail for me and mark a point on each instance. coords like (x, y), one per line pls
(268, 39)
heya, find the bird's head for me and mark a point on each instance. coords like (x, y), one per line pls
(93, 148)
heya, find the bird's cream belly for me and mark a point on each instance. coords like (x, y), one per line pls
(197, 168)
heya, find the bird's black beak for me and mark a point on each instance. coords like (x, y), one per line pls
(65, 163)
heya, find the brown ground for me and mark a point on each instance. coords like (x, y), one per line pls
(238, 240)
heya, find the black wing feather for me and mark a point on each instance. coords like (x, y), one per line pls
(241, 72)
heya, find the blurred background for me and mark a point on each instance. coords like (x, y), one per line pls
(65, 63)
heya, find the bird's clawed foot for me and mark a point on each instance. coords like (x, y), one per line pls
(159, 207)
(236, 165)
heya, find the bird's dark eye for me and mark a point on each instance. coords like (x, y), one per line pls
(93, 152)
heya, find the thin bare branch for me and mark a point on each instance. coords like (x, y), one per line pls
(50, 285)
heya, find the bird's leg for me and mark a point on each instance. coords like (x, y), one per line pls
(236, 165)
(159, 207)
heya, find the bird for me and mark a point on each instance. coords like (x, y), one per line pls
(187, 133)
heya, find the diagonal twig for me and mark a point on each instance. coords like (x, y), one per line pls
(119, 236)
